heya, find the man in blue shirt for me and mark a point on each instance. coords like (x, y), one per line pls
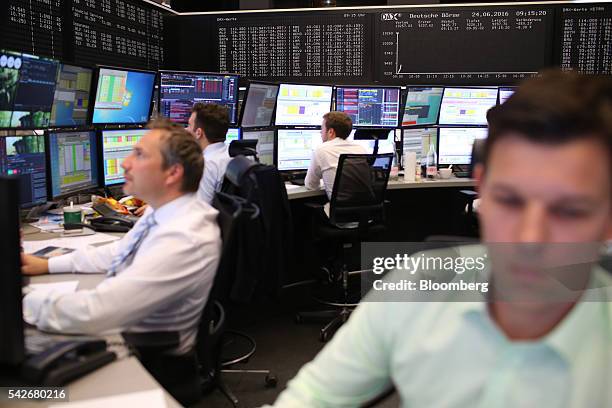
(536, 338)
(208, 123)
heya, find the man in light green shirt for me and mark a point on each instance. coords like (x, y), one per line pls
(534, 340)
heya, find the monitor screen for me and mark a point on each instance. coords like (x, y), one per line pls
(123, 96)
(422, 106)
(419, 140)
(265, 144)
(71, 99)
(377, 107)
(27, 85)
(302, 105)
(231, 135)
(116, 146)
(179, 91)
(73, 160)
(384, 145)
(259, 105)
(467, 106)
(295, 147)
(24, 157)
(504, 94)
(455, 144)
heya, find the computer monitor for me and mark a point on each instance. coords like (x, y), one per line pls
(295, 147)
(466, 106)
(369, 107)
(123, 96)
(422, 106)
(116, 146)
(24, 157)
(12, 350)
(302, 105)
(419, 140)
(384, 145)
(259, 105)
(179, 91)
(71, 98)
(505, 93)
(231, 135)
(73, 162)
(455, 144)
(265, 144)
(27, 85)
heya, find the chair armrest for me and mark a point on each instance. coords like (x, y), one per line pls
(314, 206)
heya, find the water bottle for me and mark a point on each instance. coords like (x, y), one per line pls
(431, 162)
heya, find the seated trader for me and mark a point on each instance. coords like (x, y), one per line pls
(336, 127)
(546, 179)
(159, 275)
(208, 123)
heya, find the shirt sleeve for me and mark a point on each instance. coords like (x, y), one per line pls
(166, 272)
(314, 174)
(86, 260)
(352, 369)
(208, 185)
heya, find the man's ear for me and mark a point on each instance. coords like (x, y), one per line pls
(174, 174)
(479, 174)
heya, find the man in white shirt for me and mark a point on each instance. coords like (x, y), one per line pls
(208, 123)
(532, 340)
(160, 274)
(335, 128)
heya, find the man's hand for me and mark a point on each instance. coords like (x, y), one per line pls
(33, 265)
(139, 211)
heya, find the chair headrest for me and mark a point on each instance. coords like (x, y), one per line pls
(243, 147)
(237, 168)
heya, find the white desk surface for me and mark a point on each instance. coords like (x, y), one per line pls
(125, 375)
(296, 192)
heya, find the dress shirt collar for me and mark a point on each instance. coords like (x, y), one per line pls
(171, 209)
(213, 148)
(336, 140)
(567, 336)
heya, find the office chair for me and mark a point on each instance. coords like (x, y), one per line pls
(356, 214)
(237, 218)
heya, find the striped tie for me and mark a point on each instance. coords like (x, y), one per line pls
(140, 232)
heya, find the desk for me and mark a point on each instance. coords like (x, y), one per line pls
(417, 210)
(297, 192)
(125, 375)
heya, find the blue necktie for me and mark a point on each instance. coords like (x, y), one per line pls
(140, 232)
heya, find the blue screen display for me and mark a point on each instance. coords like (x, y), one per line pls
(123, 96)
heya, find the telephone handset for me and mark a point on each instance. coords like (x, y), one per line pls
(65, 361)
(112, 220)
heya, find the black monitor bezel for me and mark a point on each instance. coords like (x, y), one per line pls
(416, 126)
(13, 106)
(438, 144)
(302, 126)
(95, 94)
(246, 98)
(89, 100)
(48, 164)
(399, 104)
(12, 348)
(45, 155)
(276, 137)
(166, 71)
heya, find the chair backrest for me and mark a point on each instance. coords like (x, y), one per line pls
(359, 188)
